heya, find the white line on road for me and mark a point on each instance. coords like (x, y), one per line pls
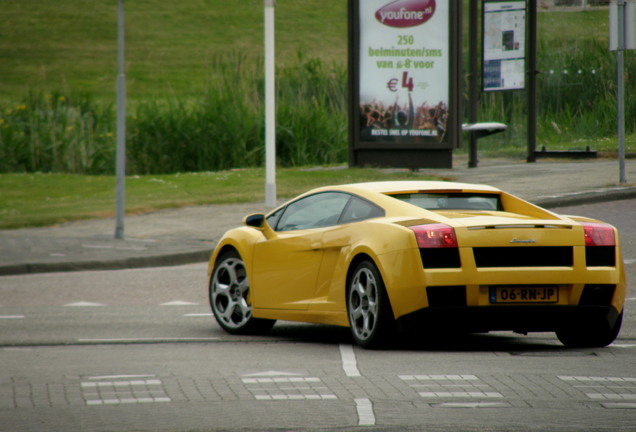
(349, 363)
(102, 377)
(179, 303)
(626, 396)
(596, 378)
(619, 405)
(366, 417)
(121, 383)
(11, 316)
(439, 377)
(127, 401)
(295, 397)
(471, 405)
(272, 374)
(83, 304)
(279, 380)
(477, 394)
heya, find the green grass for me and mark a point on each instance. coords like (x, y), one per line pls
(71, 45)
(46, 199)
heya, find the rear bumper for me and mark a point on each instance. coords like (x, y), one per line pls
(517, 318)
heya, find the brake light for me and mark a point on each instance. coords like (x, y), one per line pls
(435, 236)
(597, 234)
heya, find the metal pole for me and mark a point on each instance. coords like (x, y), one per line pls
(473, 36)
(270, 107)
(121, 125)
(532, 80)
(621, 90)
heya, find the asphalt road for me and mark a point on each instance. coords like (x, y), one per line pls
(137, 350)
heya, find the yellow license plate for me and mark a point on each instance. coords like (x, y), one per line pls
(521, 294)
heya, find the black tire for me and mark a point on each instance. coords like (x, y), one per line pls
(590, 334)
(370, 316)
(230, 297)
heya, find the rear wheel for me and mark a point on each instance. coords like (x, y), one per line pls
(590, 334)
(370, 316)
(230, 297)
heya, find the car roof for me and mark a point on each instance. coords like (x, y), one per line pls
(410, 186)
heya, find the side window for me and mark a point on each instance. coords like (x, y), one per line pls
(359, 209)
(273, 218)
(315, 211)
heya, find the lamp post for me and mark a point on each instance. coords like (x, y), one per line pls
(270, 107)
(121, 126)
(622, 37)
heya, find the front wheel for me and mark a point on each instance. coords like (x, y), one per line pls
(230, 297)
(370, 315)
(591, 334)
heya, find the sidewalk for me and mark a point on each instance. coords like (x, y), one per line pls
(180, 236)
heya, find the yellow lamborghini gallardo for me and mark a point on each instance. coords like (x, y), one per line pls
(418, 255)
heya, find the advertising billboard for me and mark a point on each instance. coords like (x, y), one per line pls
(402, 75)
(504, 45)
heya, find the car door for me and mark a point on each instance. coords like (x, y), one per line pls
(334, 240)
(286, 266)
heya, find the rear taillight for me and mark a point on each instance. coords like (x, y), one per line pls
(597, 234)
(435, 236)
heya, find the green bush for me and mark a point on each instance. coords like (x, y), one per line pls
(224, 127)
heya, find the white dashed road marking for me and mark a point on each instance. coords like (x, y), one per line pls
(445, 386)
(276, 388)
(83, 304)
(471, 405)
(366, 417)
(99, 392)
(611, 396)
(613, 391)
(619, 405)
(349, 363)
(179, 303)
(596, 379)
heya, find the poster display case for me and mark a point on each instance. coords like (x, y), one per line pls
(403, 73)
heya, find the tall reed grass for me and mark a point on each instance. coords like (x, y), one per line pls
(56, 133)
(224, 127)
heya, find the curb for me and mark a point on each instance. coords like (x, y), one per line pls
(588, 197)
(167, 260)
(175, 259)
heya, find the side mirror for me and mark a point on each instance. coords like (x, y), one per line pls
(255, 220)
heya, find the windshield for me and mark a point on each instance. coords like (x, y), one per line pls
(452, 200)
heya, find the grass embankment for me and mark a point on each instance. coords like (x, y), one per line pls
(28, 200)
(70, 46)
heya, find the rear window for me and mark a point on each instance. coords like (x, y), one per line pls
(452, 200)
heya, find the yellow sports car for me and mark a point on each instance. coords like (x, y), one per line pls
(417, 255)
